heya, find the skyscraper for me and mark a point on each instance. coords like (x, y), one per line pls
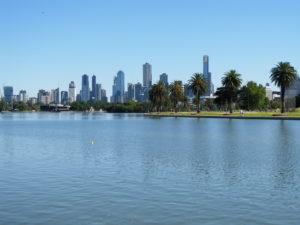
(93, 87)
(8, 93)
(118, 88)
(55, 96)
(98, 92)
(164, 78)
(64, 97)
(130, 91)
(23, 97)
(85, 89)
(72, 92)
(147, 75)
(138, 92)
(207, 76)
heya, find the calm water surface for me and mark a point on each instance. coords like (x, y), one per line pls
(147, 171)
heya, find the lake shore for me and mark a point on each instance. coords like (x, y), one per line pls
(219, 115)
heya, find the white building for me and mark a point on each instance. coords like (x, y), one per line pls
(72, 92)
(269, 92)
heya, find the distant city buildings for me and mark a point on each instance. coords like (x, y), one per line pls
(293, 90)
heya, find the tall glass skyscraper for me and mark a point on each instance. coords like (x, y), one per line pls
(93, 87)
(8, 93)
(118, 87)
(207, 76)
(147, 75)
(85, 89)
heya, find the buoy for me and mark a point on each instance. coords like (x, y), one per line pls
(91, 142)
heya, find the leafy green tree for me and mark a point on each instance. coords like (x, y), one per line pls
(198, 85)
(223, 96)
(297, 101)
(176, 93)
(158, 95)
(252, 96)
(283, 75)
(3, 105)
(231, 82)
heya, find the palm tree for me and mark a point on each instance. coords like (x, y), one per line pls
(158, 95)
(283, 75)
(198, 85)
(176, 93)
(231, 82)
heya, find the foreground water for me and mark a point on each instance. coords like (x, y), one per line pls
(73, 168)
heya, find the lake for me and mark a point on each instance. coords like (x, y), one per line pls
(77, 168)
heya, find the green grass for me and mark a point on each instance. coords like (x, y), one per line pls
(235, 113)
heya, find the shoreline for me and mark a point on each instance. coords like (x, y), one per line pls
(225, 117)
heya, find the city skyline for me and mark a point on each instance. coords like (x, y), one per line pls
(47, 45)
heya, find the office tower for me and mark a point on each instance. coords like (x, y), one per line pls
(188, 91)
(93, 95)
(55, 96)
(118, 88)
(164, 78)
(103, 95)
(207, 76)
(130, 92)
(64, 97)
(85, 89)
(147, 75)
(43, 97)
(98, 92)
(72, 92)
(138, 92)
(33, 100)
(23, 97)
(293, 90)
(269, 92)
(8, 93)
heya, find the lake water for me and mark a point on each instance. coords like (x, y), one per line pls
(115, 169)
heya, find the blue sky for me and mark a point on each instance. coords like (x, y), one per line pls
(46, 44)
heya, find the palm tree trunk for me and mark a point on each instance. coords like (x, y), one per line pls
(282, 100)
(230, 105)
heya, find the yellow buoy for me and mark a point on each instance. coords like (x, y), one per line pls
(91, 142)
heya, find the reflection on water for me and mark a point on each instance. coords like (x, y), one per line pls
(147, 171)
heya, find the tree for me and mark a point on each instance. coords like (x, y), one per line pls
(158, 95)
(283, 75)
(198, 85)
(231, 82)
(3, 105)
(252, 96)
(176, 93)
(222, 98)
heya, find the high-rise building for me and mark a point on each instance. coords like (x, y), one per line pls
(269, 92)
(93, 96)
(207, 76)
(103, 95)
(8, 93)
(188, 91)
(130, 92)
(43, 97)
(138, 94)
(72, 92)
(98, 92)
(85, 89)
(23, 97)
(118, 88)
(147, 75)
(293, 90)
(64, 97)
(55, 96)
(164, 78)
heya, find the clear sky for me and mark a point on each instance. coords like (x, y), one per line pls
(46, 44)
